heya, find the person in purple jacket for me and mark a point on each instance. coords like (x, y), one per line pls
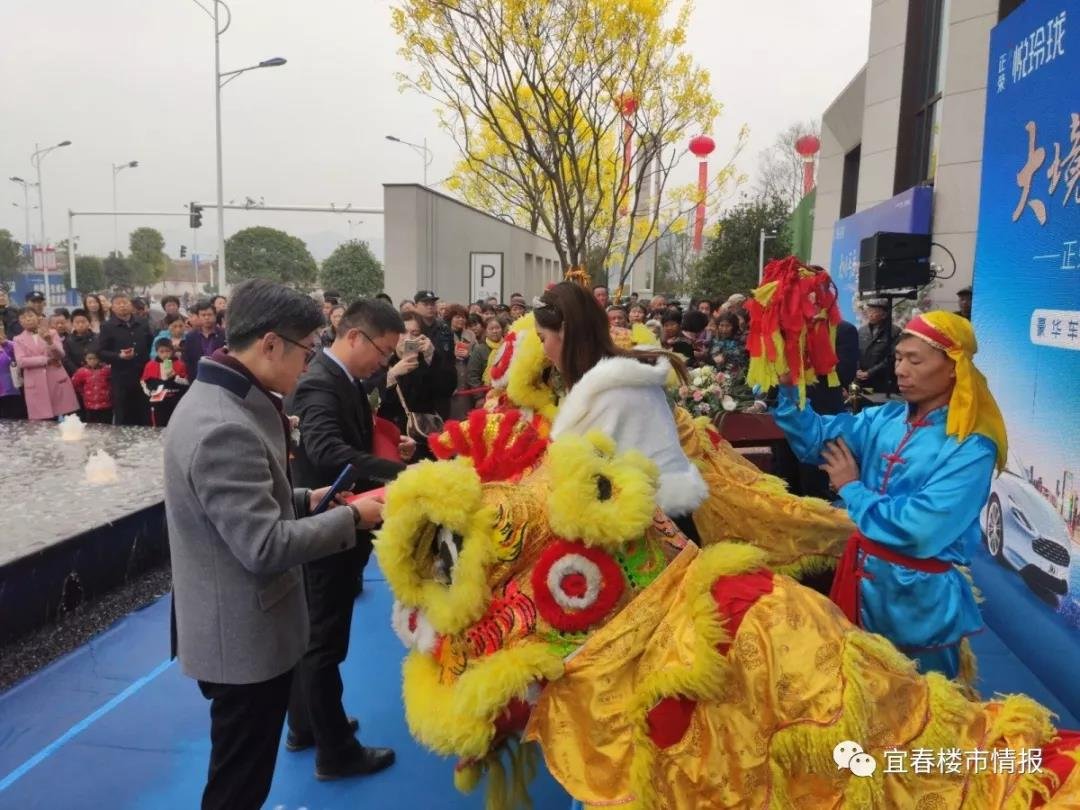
(12, 404)
(204, 340)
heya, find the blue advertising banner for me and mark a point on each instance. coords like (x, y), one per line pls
(907, 212)
(1027, 317)
(59, 294)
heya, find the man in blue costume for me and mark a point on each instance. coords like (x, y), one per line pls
(913, 477)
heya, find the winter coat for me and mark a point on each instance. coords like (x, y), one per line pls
(462, 403)
(47, 388)
(7, 360)
(92, 384)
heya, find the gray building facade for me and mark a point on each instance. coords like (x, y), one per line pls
(434, 242)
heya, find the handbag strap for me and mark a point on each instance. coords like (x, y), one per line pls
(401, 396)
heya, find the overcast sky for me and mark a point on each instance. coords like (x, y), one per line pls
(132, 80)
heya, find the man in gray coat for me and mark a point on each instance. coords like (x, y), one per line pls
(239, 532)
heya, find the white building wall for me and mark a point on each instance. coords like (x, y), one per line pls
(841, 131)
(881, 113)
(877, 119)
(963, 110)
(430, 238)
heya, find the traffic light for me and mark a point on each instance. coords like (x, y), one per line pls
(183, 251)
(195, 220)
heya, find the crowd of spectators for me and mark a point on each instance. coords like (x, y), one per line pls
(112, 360)
(115, 359)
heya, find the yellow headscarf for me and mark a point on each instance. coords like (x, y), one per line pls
(972, 408)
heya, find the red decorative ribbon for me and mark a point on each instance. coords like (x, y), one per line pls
(919, 326)
(803, 304)
(845, 587)
(1057, 759)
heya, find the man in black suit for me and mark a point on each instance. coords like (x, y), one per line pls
(337, 428)
(124, 343)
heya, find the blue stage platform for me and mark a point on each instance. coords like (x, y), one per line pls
(116, 725)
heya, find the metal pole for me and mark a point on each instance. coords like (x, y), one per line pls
(26, 206)
(115, 219)
(41, 211)
(195, 260)
(220, 181)
(71, 245)
(311, 209)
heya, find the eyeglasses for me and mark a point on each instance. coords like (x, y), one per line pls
(386, 354)
(310, 351)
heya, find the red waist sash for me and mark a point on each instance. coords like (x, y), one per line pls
(845, 587)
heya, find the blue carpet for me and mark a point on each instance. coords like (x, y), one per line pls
(1043, 639)
(115, 724)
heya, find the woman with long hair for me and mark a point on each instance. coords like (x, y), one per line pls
(618, 392)
(464, 340)
(106, 306)
(94, 312)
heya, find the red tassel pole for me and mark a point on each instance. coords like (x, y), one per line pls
(699, 218)
(701, 147)
(624, 189)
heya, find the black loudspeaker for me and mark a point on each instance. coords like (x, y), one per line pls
(894, 261)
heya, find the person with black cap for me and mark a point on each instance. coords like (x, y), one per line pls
(963, 298)
(36, 301)
(444, 372)
(877, 340)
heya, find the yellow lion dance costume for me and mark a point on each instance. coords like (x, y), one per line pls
(798, 535)
(560, 608)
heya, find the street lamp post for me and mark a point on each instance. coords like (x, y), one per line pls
(116, 169)
(218, 83)
(422, 149)
(35, 160)
(228, 76)
(26, 203)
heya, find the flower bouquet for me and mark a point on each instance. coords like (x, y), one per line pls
(711, 393)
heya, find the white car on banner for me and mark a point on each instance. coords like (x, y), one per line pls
(1023, 531)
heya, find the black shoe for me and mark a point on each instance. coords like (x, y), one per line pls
(300, 742)
(359, 761)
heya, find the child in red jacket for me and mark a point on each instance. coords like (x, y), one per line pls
(91, 383)
(164, 380)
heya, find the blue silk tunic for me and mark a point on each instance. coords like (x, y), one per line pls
(919, 493)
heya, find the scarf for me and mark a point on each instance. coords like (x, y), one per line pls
(494, 346)
(972, 408)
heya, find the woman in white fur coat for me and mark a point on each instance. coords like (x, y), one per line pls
(618, 392)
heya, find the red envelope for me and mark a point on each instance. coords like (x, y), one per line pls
(374, 493)
(387, 439)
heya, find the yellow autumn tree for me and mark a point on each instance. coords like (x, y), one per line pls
(537, 95)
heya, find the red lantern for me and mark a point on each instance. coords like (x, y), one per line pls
(701, 146)
(807, 146)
